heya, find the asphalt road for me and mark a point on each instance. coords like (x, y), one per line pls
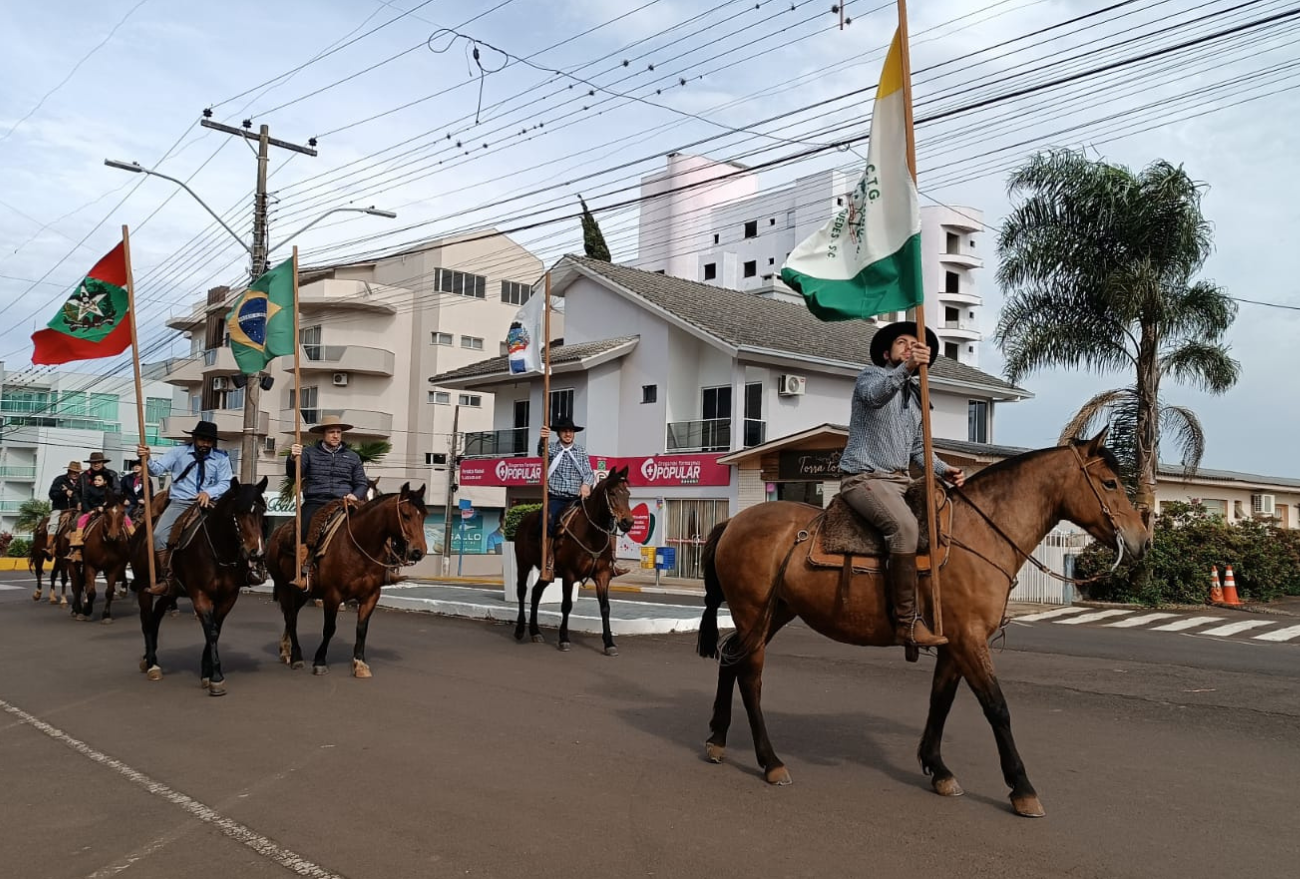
(470, 755)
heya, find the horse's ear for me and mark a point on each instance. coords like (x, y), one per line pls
(261, 486)
(1097, 442)
(406, 489)
(420, 492)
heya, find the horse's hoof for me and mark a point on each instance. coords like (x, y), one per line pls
(155, 673)
(565, 646)
(53, 600)
(778, 775)
(1027, 806)
(144, 665)
(946, 787)
(107, 621)
(611, 650)
(320, 670)
(174, 612)
(217, 689)
(360, 669)
(715, 753)
(63, 602)
(36, 596)
(81, 617)
(205, 683)
(297, 666)
(539, 639)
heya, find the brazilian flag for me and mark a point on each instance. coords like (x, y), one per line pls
(261, 322)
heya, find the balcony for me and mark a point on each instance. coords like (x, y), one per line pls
(347, 358)
(512, 443)
(365, 422)
(712, 435)
(958, 297)
(230, 424)
(965, 260)
(11, 506)
(18, 474)
(965, 329)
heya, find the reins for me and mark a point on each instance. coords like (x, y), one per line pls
(401, 530)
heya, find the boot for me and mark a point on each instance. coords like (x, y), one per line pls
(162, 562)
(909, 628)
(74, 545)
(303, 580)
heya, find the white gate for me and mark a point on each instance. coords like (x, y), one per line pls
(1057, 552)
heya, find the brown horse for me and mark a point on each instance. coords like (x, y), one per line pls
(584, 550)
(106, 549)
(42, 551)
(378, 538)
(223, 553)
(757, 562)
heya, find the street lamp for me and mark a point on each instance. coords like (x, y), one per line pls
(372, 210)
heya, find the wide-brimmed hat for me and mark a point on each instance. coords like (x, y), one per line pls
(565, 422)
(131, 462)
(884, 338)
(74, 467)
(204, 430)
(97, 458)
(330, 421)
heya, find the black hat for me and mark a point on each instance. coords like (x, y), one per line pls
(204, 430)
(884, 338)
(565, 422)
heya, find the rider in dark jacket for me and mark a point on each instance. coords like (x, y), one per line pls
(66, 488)
(330, 470)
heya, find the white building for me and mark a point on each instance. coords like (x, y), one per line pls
(49, 420)
(729, 234)
(669, 375)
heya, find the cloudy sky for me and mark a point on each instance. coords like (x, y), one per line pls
(585, 96)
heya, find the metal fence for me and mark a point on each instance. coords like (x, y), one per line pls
(1057, 552)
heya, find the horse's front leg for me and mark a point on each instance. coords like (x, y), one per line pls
(151, 614)
(942, 692)
(83, 600)
(521, 590)
(566, 605)
(538, 588)
(212, 622)
(110, 592)
(318, 665)
(977, 667)
(602, 596)
(203, 610)
(364, 612)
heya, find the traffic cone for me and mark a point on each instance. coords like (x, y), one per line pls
(1216, 590)
(1230, 588)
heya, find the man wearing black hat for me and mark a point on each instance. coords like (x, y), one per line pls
(64, 494)
(569, 476)
(884, 438)
(200, 473)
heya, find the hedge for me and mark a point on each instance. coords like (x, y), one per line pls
(513, 517)
(18, 548)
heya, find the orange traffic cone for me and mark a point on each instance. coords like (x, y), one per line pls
(1230, 588)
(1216, 590)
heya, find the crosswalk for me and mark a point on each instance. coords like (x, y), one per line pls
(1269, 629)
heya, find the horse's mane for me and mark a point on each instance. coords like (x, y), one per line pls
(243, 499)
(1006, 464)
(374, 501)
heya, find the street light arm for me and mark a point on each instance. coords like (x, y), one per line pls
(374, 212)
(137, 168)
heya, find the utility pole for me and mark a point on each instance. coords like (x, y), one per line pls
(453, 451)
(248, 452)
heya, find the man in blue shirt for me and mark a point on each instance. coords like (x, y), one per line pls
(200, 474)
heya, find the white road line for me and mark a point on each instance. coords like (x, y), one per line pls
(1186, 623)
(1279, 634)
(1092, 617)
(6, 588)
(265, 847)
(1049, 614)
(1139, 621)
(1234, 628)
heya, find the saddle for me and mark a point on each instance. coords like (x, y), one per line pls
(325, 524)
(186, 527)
(843, 539)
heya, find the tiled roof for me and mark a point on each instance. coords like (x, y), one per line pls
(748, 320)
(560, 354)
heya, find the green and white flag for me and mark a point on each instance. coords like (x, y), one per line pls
(867, 260)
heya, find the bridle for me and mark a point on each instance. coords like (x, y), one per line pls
(244, 555)
(399, 560)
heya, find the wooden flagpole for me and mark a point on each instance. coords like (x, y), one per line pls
(297, 428)
(546, 415)
(139, 404)
(924, 371)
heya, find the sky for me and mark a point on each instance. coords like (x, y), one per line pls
(572, 97)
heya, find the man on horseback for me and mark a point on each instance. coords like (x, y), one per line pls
(331, 470)
(64, 492)
(90, 496)
(884, 436)
(569, 476)
(200, 475)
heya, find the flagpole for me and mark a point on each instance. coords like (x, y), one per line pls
(297, 427)
(139, 403)
(546, 414)
(924, 371)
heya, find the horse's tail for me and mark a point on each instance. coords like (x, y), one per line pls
(707, 643)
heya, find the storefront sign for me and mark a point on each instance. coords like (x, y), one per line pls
(809, 464)
(643, 472)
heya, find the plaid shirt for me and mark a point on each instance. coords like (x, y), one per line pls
(885, 424)
(571, 473)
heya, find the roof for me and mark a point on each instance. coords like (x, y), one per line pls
(744, 320)
(561, 355)
(1205, 474)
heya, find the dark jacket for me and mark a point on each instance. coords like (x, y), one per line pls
(59, 499)
(327, 475)
(93, 496)
(114, 482)
(133, 489)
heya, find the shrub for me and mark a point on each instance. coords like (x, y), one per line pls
(5, 539)
(513, 516)
(18, 548)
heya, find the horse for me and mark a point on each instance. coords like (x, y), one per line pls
(106, 549)
(584, 550)
(376, 539)
(42, 551)
(757, 562)
(224, 553)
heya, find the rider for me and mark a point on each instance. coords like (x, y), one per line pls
(331, 469)
(884, 436)
(91, 497)
(200, 474)
(64, 491)
(569, 476)
(95, 494)
(133, 487)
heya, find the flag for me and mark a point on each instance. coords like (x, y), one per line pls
(92, 322)
(527, 332)
(261, 321)
(867, 259)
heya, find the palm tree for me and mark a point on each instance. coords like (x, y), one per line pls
(30, 514)
(1099, 265)
(369, 453)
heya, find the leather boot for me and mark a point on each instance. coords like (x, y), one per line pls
(162, 573)
(303, 580)
(909, 627)
(74, 545)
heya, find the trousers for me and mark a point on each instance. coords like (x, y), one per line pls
(880, 499)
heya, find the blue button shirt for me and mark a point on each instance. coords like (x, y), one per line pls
(216, 472)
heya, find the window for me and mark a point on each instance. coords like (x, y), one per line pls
(521, 413)
(310, 397)
(156, 409)
(977, 421)
(649, 393)
(772, 222)
(715, 237)
(268, 445)
(710, 271)
(771, 260)
(441, 338)
(470, 400)
(515, 293)
(561, 404)
(950, 350)
(474, 343)
(751, 268)
(954, 243)
(789, 219)
(233, 399)
(951, 282)
(460, 283)
(755, 430)
(1215, 507)
(751, 229)
(435, 459)
(442, 398)
(310, 338)
(951, 316)
(715, 402)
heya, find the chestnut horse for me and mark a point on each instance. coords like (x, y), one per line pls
(42, 551)
(378, 537)
(106, 549)
(757, 563)
(225, 554)
(584, 550)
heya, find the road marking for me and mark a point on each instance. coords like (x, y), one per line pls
(265, 847)
(7, 588)
(1139, 621)
(1234, 628)
(1186, 623)
(1279, 634)
(1092, 617)
(1049, 614)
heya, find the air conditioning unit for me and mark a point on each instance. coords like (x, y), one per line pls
(341, 379)
(1263, 504)
(791, 385)
(220, 383)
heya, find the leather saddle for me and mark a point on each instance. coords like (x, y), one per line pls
(841, 538)
(324, 525)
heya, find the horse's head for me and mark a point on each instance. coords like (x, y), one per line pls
(618, 496)
(1096, 501)
(372, 489)
(409, 542)
(246, 506)
(114, 517)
